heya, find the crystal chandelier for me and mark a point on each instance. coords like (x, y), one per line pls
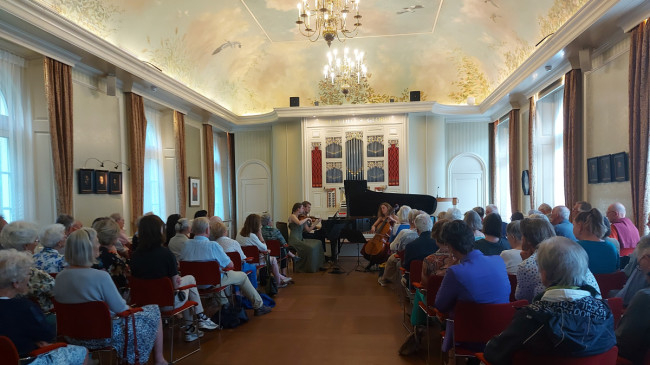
(328, 18)
(345, 71)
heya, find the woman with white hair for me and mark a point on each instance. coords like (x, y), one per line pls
(176, 243)
(475, 223)
(568, 320)
(80, 283)
(23, 236)
(21, 320)
(49, 259)
(403, 217)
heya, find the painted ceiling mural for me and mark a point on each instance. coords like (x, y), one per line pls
(248, 56)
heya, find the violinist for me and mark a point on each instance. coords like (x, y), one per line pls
(310, 229)
(312, 256)
(383, 213)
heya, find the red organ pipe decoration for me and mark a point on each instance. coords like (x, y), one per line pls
(393, 163)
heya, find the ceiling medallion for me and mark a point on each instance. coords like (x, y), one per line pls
(328, 19)
(345, 71)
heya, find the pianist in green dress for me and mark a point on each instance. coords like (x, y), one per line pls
(309, 250)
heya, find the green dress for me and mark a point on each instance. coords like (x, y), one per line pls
(310, 251)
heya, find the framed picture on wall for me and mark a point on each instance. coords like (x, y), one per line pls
(592, 170)
(605, 168)
(86, 180)
(195, 191)
(101, 181)
(115, 182)
(620, 167)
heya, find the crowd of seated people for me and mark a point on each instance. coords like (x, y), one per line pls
(567, 315)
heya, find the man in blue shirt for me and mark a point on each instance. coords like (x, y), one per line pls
(200, 248)
(476, 278)
(560, 221)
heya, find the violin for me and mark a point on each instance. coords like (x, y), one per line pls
(310, 219)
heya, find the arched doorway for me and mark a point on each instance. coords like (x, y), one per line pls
(253, 190)
(467, 181)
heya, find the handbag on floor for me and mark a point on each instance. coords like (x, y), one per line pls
(231, 315)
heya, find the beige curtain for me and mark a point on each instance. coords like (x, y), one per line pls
(233, 183)
(639, 95)
(514, 152)
(573, 137)
(209, 166)
(531, 150)
(58, 90)
(181, 168)
(137, 129)
(492, 135)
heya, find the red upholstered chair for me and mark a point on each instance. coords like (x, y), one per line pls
(616, 306)
(236, 262)
(513, 286)
(205, 273)
(252, 255)
(275, 246)
(608, 282)
(479, 322)
(9, 354)
(433, 284)
(526, 358)
(415, 274)
(162, 293)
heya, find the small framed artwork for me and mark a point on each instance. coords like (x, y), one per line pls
(525, 182)
(620, 167)
(195, 191)
(101, 181)
(592, 170)
(605, 168)
(115, 182)
(86, 179)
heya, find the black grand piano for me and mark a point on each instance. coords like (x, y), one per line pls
(362, 206)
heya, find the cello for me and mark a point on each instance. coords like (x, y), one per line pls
(376, 251)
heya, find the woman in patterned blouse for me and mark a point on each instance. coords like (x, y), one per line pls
(438, 262)
(50, 259)
(109, 259)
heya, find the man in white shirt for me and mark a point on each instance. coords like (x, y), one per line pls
(202, 249)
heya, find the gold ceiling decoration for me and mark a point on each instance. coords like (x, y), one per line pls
(345, 71)
(329, 19)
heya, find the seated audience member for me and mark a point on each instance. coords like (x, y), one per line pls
(79, 283)
(67, 221)
(480, 211)
(491, 208)
(153, 261)
(271, 233)
(403, 220)
(589, 228)
(560, 221)
(23, 236)
(134, 239)
(516, 216)
(492, 243)
(404, 237)
(251, 235)
(435, 264)
(219, 234)
(476, 278)
(122, 244)
(568, 320)
(534, 212)
(475, 223)
(545, 209)
(200, 248)
(632, 333)
(49, 259)
(622, 228)
(422, 246)
(22, 321)
(636, 279)
(181, 232)
(512, 257)
(201, 213)
(454, 214)
(109, 260)
(606, 236)
(529, 280)
(170, 227)
(579, 207)
(310, 251)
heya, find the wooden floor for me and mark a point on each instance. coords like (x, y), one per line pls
(321, 319)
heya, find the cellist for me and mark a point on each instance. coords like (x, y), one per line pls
(383, 213)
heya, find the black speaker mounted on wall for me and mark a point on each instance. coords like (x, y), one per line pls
(415, 96)
(294, 101)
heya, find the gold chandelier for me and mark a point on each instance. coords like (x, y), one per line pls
(328, 18)
(345, 71)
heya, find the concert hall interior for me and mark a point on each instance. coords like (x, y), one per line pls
(220, 109)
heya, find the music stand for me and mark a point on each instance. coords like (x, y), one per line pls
(334, 236)
(357, 237)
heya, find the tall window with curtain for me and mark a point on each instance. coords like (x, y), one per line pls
(154, 183)
(549, 163)
(16, 165)
(221, 195)
(502, 155)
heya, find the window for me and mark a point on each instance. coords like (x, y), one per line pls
(221, 196)
(502, 152)
(549, 160)
(154, 184)
(16, 157)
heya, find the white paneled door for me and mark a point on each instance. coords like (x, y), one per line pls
(254, 190)
(467, 181)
